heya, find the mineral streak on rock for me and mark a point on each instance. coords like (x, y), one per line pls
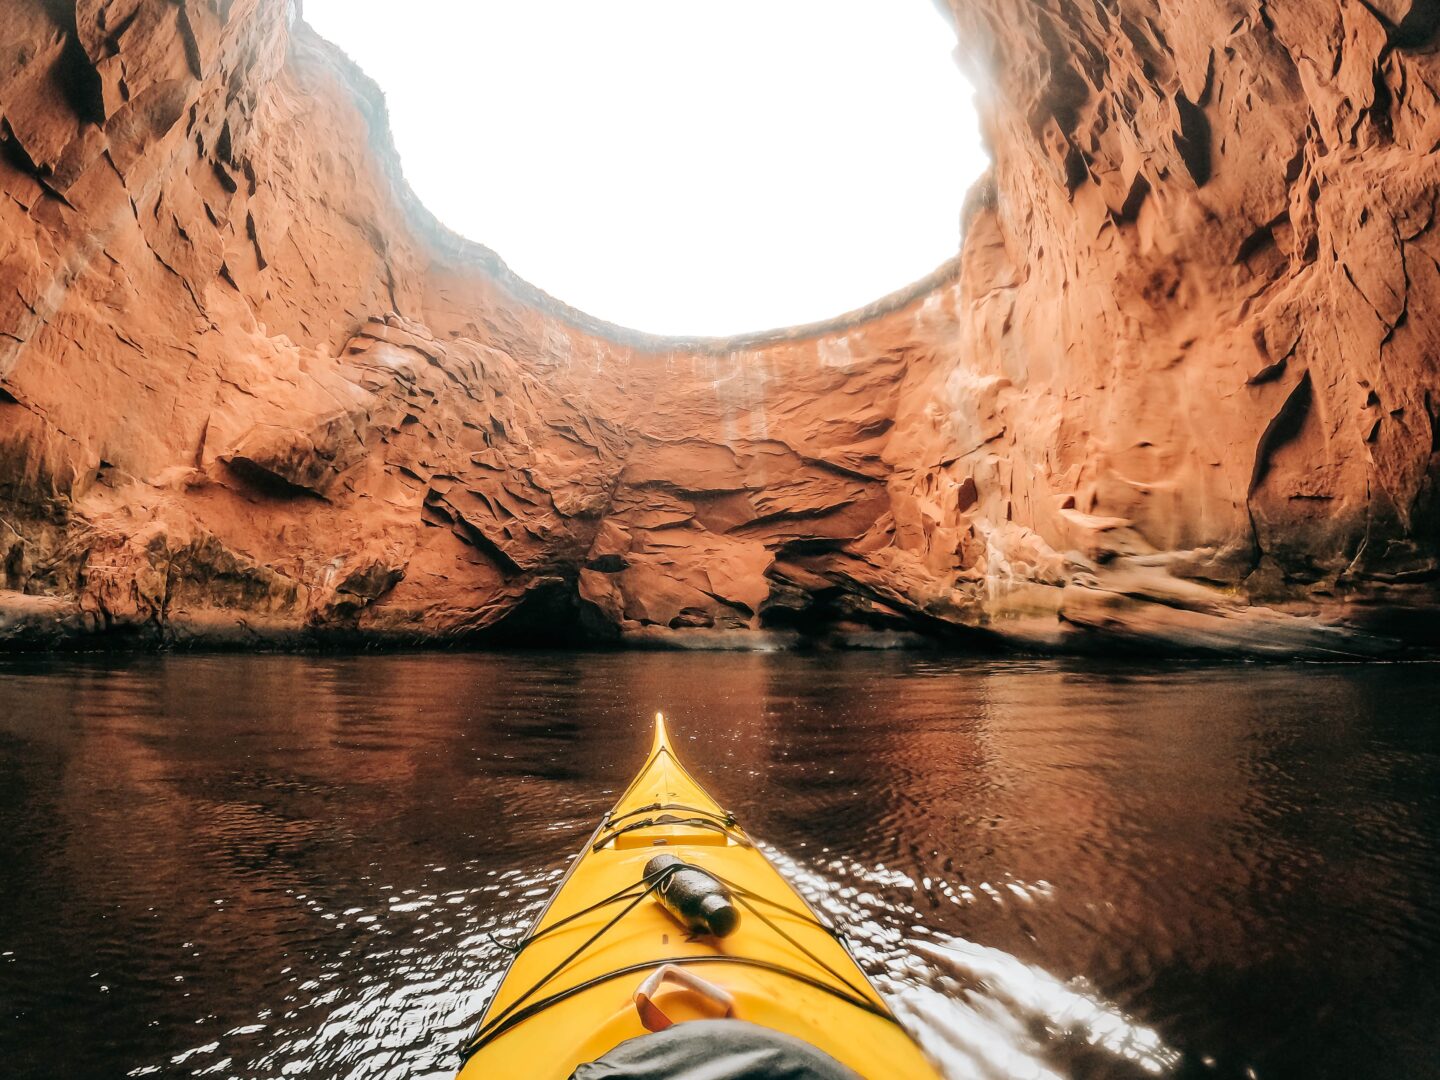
(1178, 392)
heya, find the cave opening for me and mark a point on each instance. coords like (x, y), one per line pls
(724, 169)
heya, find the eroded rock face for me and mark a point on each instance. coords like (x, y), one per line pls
(1178, 392)
(1203, 279)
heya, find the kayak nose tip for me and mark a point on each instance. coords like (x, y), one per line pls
(662, 737)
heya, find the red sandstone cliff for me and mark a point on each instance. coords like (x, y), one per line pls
(1178, 392)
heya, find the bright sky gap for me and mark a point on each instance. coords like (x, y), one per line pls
(675, 166)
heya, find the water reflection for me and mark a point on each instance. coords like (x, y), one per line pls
(266, 866)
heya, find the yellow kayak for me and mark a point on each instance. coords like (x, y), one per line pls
(606, 962)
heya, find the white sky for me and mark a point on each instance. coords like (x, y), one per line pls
(681, 166)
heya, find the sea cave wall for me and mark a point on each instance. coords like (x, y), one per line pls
(1178, 392)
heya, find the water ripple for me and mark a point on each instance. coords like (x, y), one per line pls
(300, 866)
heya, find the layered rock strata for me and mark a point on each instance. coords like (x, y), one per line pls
(1178, 391)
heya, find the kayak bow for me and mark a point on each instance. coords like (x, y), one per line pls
(604, 962)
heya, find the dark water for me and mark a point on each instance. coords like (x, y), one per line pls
(281, 866)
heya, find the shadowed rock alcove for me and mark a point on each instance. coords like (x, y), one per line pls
(1177, 393)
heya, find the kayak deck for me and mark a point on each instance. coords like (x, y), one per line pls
(567, 997)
